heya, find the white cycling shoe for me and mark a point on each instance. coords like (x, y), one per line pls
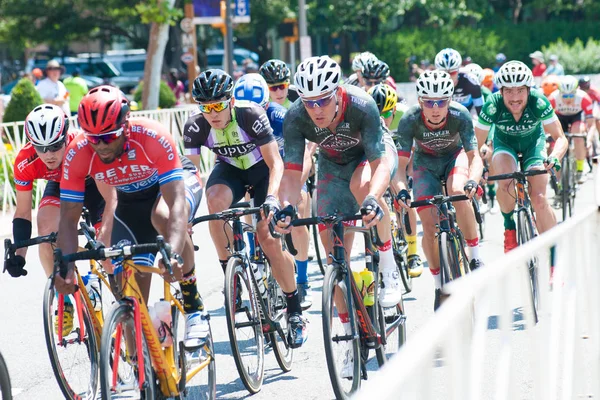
(391, 292)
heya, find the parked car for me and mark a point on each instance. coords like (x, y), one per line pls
(214, 57)
(91, 81)
(128, 62)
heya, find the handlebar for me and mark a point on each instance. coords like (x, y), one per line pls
(517, 175)
(438, 200)
(10, 248)
(227, 215)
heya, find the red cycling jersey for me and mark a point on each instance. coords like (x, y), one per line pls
(29, 167)
(571, 106)
(150, 158)
(594, 94)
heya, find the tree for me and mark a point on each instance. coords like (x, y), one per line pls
(24, 98)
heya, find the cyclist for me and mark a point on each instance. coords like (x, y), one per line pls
(521, 115)
(253, 87)
(549, 85)
(374, 72)
(358, 63)
(247, 155)
(571, 106)
(158, 192)
(391, 111)
(488, 80)
(585, 85)
(467, 91)
(446, 148)
(277, 75)
(477, 72)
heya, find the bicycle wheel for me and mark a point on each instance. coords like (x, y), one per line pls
(244, 324)
(339, 344)
(119, 331)
(450, 262)
(277, 306)
(315, 233)
(482, 225)
(566, 188)
(525, 234)
(203, 384)
(5, 389)
(572, 186)
(74, 359)
(392, 324)
(400, 249)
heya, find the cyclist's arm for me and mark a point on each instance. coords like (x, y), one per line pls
(372, 130)
(400, 181)
(270, 153)
(380, 176)
(475, 165)
(174, 194)
(195, 159)
(67, 227)
(109, 194)
(554, 129)
(23, 211)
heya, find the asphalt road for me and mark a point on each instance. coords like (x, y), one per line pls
(23, 346)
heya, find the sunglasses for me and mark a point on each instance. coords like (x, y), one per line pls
(320, 103)
(49, 149)
(568, 96)
(279, 86)
(218, 107)
(107, 137)
(435, 103)
(387, 114)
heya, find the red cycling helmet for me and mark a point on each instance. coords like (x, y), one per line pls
(103, 109)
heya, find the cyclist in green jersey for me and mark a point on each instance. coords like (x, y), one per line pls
(522, 117)
(391, 111)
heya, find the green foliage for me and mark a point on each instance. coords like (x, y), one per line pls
(158, 11)
(23, 98)
(576, 58)
(166, 97)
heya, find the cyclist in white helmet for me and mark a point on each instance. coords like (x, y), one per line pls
(467, 89)
(522, 116)
(446, 148)
(358, 63)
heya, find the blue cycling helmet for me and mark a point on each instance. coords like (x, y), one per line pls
(252, 87)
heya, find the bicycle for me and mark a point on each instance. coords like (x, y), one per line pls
(526, 228)
(311, 186)
(568, 189)
(251, 316)
(5, 388)
(129, 337)
(400, 222)
(370, 327)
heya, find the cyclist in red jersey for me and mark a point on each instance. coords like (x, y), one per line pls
(158, 192)
(585, 85)
(46, 128)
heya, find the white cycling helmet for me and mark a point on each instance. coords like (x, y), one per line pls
(46, 125)
(568, 84)
(513, 74)
(435, 85)
(360, 60)
(476, 71)
(252, 87)
(317, 76)
(448, 60)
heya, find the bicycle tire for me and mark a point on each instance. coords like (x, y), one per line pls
(237, 272)
(566, 188)
(315, 233)
(5, 388)
(334, 278)
(572, 188)
(400, 251)
(89, 341)
(482, 226)
(449, 259)
(526, 233)
(123, 314)
(396, 338)
(277, 306)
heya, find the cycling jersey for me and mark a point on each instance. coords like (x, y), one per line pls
(467, 92)
(239, 143)
(401, 108)
(276, 114)
(352, 80)
(485, 93)
(457, 133)
(29, 167)
(149, 160)
(360, 131)
(572, 106)
(594, 94)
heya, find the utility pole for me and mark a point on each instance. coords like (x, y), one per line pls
(305, 45)
(190, 55)
(228, 59)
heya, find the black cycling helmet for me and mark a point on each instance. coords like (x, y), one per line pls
(584, 82)
(375, 69)
(211, 85)
(275, 71)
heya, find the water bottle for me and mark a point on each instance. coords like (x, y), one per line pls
(368, 287)
(163, 312)
(359, 282)
(92, 285)
(257, 270)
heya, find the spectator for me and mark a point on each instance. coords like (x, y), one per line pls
(500, 60)
(176, 85)
(77, 88)
(555, 68)
(51, 89)
(537, 59)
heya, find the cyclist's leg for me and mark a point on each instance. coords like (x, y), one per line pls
(578, 126)
(224, 187)
(301, 237)
(94, 202)
(504, 161)
(48, 217)
(534, 159)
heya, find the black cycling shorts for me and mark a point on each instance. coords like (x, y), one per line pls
(133, 221)
(237, 180)
(92, 199)
(568, 120)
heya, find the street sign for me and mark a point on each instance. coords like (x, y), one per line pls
(187, 25)
(208, 12)
(187, 58)
(187, 40)
(242, 12)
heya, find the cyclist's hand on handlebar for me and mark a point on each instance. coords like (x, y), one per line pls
(176, 267)
(470, 188)
(15, 266)
(65, 285)
(270, 207)
(283, 219)
(403, 199)
(485, 151)
(371, 211)
(552, 162)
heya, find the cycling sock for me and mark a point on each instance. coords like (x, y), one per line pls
(580, 164)
(224, 265)
(191, 298)
(293, 302)
(473, 245)
(509, 221)
(437, 278)
(345, 320)
(386, 257)
(412, 244)
(251, 243)
(302, 268)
